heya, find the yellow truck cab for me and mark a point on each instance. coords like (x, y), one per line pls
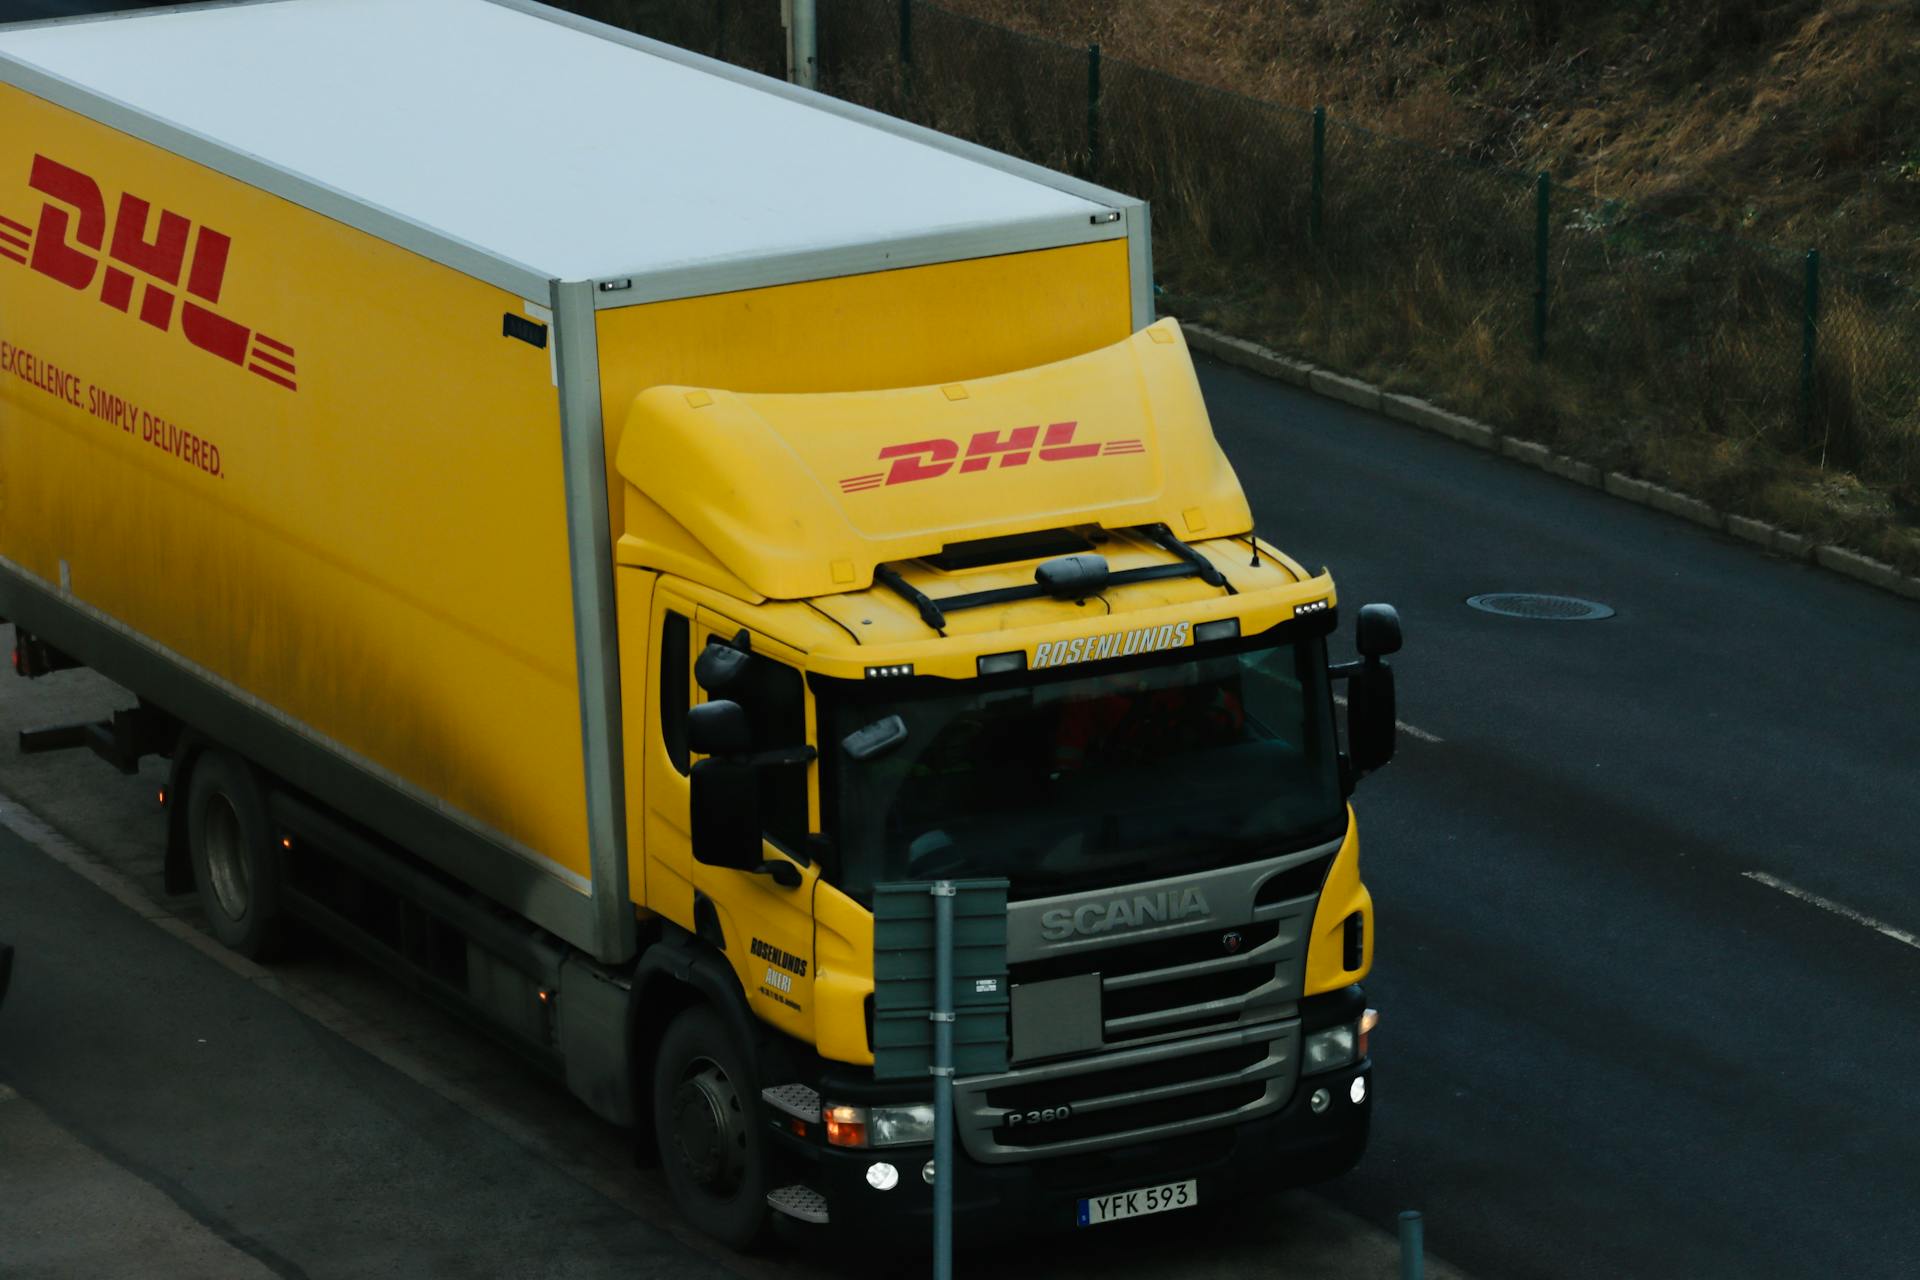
(580, 571)
(1012, 626)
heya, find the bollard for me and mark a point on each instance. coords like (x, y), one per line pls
(1412, 1246)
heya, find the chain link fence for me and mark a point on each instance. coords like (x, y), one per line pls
(1636, 340)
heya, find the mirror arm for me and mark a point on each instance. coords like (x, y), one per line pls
(781, 872)
(780, 756)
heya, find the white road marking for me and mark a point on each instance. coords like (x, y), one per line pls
(1412, 731)
(1837, 908)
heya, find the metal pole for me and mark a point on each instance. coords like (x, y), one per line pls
(1315, 214)
(1542, 189)
(1412, 1245)
(803, 44)
(942, 1072)
(1093, 108)
(1809, 343)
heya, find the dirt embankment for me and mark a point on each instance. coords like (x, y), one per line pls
(1796, 123)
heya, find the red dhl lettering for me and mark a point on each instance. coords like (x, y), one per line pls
(71, 244)
(1016, 447)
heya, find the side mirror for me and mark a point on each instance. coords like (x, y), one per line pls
(720, 669)
(1371, 713)
(719, 729)
(1377, 633)
(725, 805)
(1371, 731)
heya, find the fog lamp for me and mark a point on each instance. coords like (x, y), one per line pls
(882, 1176)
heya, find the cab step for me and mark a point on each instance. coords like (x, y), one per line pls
(800, 1202)
(795, 1101)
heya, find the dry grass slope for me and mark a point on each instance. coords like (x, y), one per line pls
(1684, 138)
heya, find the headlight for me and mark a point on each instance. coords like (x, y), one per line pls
(1328, 1049)
(880, 1126)
(902, 1126)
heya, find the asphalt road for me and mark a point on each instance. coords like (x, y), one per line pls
(286, 1150)
(1605, 1051)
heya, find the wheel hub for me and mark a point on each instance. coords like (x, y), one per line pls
(709, 1127)
(226, 859)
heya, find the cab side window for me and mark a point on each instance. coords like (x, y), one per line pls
(675, 687)
(783, 789)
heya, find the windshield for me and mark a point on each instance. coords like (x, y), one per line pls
(1126, 771)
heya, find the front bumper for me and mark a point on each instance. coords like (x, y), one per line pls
(1288, 1148)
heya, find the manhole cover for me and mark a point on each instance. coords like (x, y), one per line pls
(1519, 604)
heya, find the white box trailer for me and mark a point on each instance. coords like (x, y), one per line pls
(382, 170)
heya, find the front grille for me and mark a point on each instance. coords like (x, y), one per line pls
(1101, 1124)
(1147, 1022)
(1165, 953)
(1164, 987)
(1134, 1095)
(1197, 995)
(1021, 1096)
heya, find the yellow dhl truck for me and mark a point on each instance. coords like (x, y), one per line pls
(576, 517)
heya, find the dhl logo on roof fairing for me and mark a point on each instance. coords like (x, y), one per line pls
(75, 198)
(931, 459)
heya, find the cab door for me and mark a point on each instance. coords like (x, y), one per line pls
(768, 927)
(657, 752)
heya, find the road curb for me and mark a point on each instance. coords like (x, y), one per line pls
(1430, 417)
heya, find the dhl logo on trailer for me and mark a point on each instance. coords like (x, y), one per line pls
(288, 523)
(69, 243)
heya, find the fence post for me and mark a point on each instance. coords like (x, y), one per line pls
(1093, 108)
(1315, 210)
(906, 34)
(1542, 196)
(803, 43)
(1809, 343)
(1412, 1245)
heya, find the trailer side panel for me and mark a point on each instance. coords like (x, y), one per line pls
(297, 460)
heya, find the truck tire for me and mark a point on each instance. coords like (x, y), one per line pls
(706, 1118)
(233, 863)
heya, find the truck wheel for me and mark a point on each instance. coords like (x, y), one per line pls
(233, 865)
(706, 1109)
